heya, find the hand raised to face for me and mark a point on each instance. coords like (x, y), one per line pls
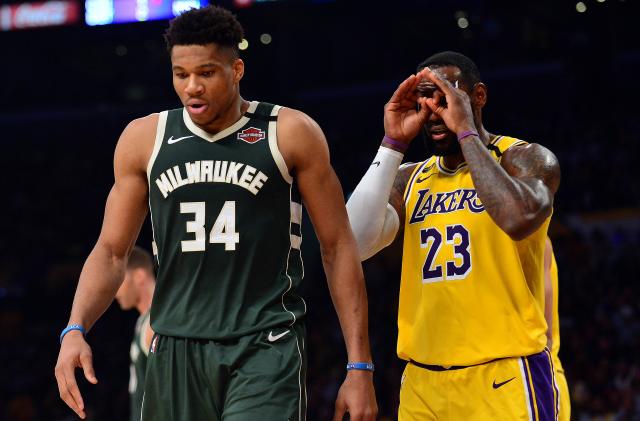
(449, 102)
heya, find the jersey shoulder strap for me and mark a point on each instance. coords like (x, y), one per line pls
(420, 168)
(265, 112)
(500, 144)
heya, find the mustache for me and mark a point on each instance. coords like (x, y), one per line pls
(437, 126)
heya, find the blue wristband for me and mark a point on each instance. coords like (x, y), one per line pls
(69, 329)
(361, 366)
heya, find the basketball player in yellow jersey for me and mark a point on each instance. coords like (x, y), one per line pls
(553, 331)
(474, 219)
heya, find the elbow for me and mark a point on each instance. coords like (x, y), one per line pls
(518, 232)
(522, 226)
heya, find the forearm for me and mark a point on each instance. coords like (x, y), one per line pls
(373, 221)
(347, 288)
(511, 203)
(101, 276)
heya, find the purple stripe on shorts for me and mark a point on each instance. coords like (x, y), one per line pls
(543, 384)
(526, 379)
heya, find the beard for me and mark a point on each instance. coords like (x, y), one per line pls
(445, 147)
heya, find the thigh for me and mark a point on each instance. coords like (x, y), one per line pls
(420, 397)
(512, 388)
(268, 382)
(176, 384)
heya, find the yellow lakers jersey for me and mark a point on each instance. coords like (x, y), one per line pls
(555, 321)
(467, 293)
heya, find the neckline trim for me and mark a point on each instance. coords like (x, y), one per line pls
(193, 128)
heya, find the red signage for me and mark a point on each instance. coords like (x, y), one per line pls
(37, 15)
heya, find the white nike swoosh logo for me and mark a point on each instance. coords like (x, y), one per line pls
(272, 338)
(172, 140)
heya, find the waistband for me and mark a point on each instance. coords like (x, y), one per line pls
(448, 367)
(459, 367)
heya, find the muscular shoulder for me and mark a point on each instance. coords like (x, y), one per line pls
(136, 142)
(298, 125)
(533, 161)
(300, 138)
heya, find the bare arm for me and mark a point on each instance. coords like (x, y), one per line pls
(396, 198)
(306, 152)
(518, 194)
(104, 269)
(548, 292)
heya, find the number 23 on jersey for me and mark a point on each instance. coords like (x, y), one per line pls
(456, 236)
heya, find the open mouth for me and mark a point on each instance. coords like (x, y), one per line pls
(439, 132)
(197, 108)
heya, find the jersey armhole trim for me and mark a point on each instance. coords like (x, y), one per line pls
(273, 146)
(415, 172)
(162, 124)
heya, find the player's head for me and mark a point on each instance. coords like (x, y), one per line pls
(460, 70)
(138, 277)
(203, 45)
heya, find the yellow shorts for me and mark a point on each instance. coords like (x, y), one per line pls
(521, 388)
(564, 413)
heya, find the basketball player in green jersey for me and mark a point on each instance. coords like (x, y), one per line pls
(136, 292)
(225, 179)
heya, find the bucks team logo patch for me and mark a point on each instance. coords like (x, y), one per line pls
(251, 135)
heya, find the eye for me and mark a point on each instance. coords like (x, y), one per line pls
(208, 73)
(181, 75)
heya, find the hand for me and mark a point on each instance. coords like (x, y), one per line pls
(457, 114)
(74, 352)
(402, 120)
(357, 397)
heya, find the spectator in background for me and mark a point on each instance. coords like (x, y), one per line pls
(136, 292)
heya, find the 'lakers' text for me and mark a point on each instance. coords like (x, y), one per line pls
(445, 202)
(229, 172)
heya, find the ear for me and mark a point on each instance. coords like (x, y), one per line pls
(479, 95)
(238, 70)
(137, 276)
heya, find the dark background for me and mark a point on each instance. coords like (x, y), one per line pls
(564, 79)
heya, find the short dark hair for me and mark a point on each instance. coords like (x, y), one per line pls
(140, 259)
(470, 72)
(211, 24)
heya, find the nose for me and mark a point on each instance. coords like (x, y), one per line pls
(434, 118)
(194, 87)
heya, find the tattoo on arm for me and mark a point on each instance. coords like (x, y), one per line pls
(533, 162)
(517, 194)
(396, 198)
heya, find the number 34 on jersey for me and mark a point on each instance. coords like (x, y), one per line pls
(223, 231)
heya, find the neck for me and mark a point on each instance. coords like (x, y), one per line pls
(226, 117)
(452, 161)
(144, 303)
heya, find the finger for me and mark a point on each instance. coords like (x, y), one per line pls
(73, 396)
(440, 81)
(87, 367)
(341, 408)
(424, 112)
(407, 86)
(435, 107)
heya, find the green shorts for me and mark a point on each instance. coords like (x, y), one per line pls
(260, 376)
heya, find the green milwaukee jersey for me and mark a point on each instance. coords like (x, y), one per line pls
(138, 354)
(226, 224)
